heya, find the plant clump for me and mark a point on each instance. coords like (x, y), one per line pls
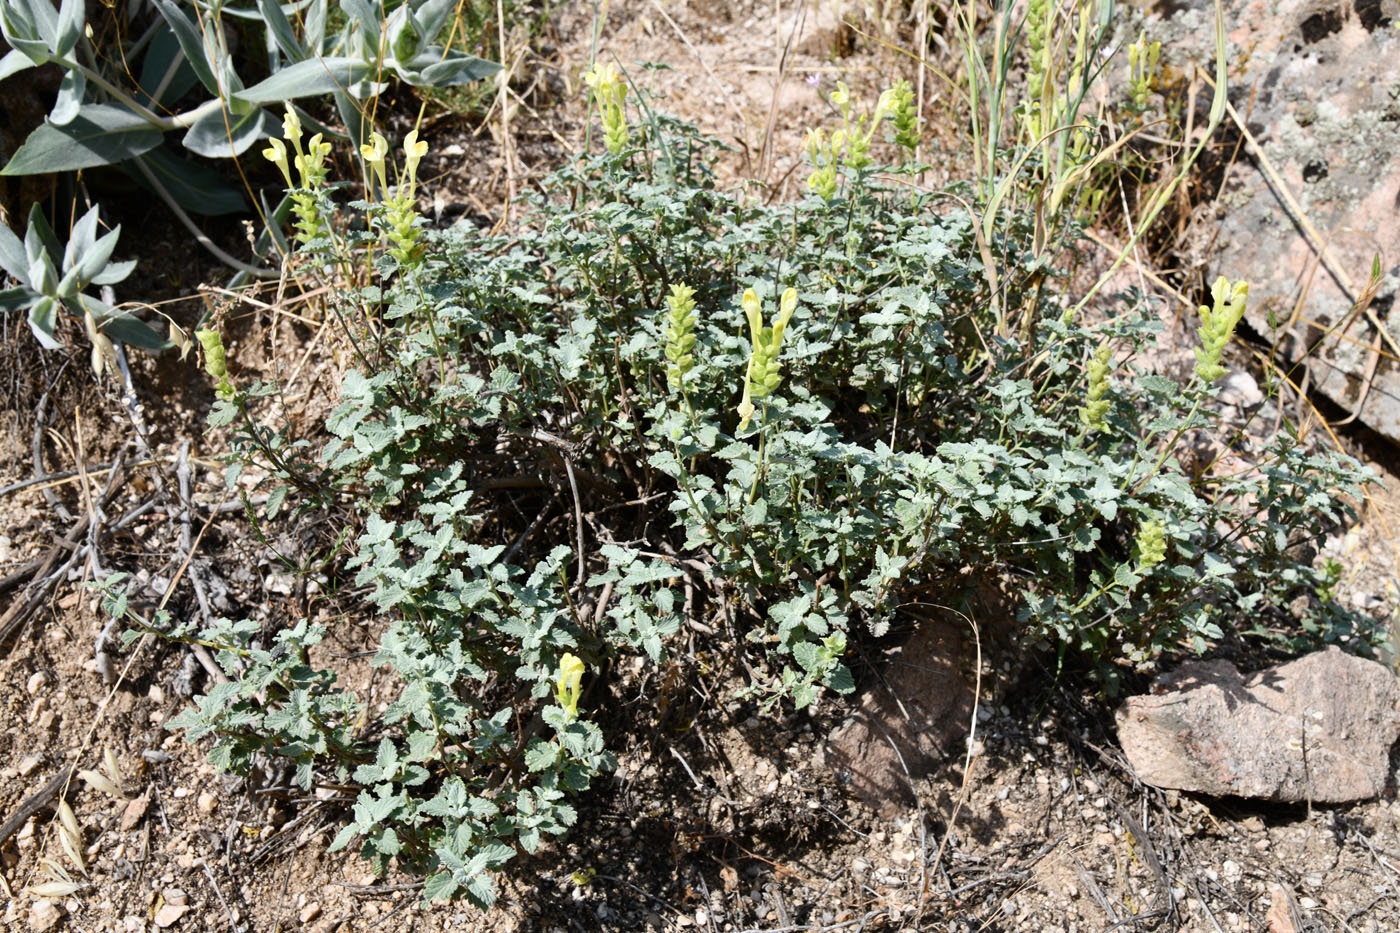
(559, 447)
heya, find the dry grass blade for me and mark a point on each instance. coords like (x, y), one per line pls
(100, 782)
(70, 835)
(52, 869)
(113, 767)
(55, 889)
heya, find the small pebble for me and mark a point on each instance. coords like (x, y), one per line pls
(44, 915)
(133, 813)
(36, 682)
(310, 912)
(169, 915)
(28, 765)
(207, 803)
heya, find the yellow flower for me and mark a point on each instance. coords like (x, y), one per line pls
(753, 309)
(413, 151)
(569, 684)
(786, 306)
(276, 153)
(374, 154)
(291, 127)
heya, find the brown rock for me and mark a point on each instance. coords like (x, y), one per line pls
(1317, 729)
(922, 707)
(134, 811)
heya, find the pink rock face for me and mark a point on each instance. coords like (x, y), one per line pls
(1318, 84)
(1316, 729)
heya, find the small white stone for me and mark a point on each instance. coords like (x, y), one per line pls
(36, 682)
(207, 803)
(44, 915)
(310, 912)
(28, 765)
(1307, 903)
(1239, 388)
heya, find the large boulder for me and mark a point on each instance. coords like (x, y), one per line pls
(1318, 84)
(1316, 729)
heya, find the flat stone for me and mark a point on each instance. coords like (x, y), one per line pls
(1316, 729)
(134, 812)
(169, 915)
(921, 707)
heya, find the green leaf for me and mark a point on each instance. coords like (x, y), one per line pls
(313, 77)
(196, 188)
(13, 63)
(30, 26)
(220, 134)
(42, 321)
(191, 41)
(281, 31)
(164, 69)
(99, 135)
(12, 256)
(454, 70)
(840, 679)
(71, 20)
(439, 886)
(127, 328)
(70, 98)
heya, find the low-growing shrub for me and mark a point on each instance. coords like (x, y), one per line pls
(663, 405)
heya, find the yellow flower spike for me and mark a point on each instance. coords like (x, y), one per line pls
(605, 82)
(376, 149)
(1151, 544)
(215, 360)
(609, 92)
(568, 685)
(276, 153)
(1218, 325)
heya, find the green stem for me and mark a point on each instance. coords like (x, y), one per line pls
(762, 456)
(1167, 449)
